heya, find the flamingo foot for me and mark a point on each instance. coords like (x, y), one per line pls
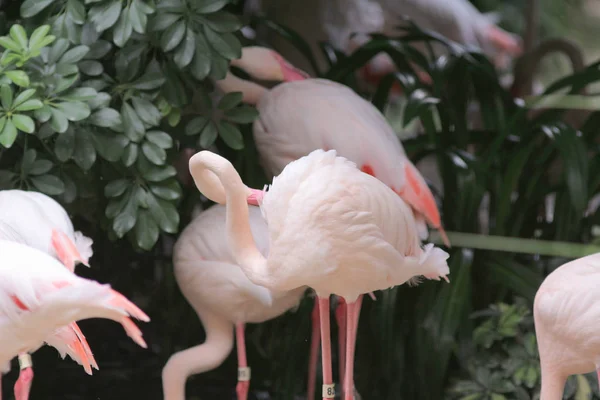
(66, 250)
(23, 384)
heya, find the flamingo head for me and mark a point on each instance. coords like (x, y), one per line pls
(266, 64)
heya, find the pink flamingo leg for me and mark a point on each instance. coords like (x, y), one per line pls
(243, 384)
(328, 388)
(352, 327)
(315, 340)
(23, 384)
(340, 316)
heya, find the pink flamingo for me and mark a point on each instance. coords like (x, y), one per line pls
(331, 228)
(40, 222)
(39, 296)
(303, 114)
(222, 296)
(566, 313)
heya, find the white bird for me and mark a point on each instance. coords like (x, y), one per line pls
(566, 311)
(39, 295)
(332, 228)
(222, 296)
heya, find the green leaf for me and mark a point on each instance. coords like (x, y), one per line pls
(124, 222)
(152, 79)
(196, 125)
(91, 68)
(48, 184)
(65, 145)
(6, 97)
(202, 60)
(23, 96)
(29, 8)
(169, 191)
(110, 146)
(230, 100)
(242, 115)
(85, 153)
(74, 110)
(106, 118)
(231, 135)
(76, 11)
(159, 138)
(223, 22)
(40, 167)
(38, 37)
(59, 121)
(23, 123)
(134, 129)
(58, 49)
(146, 230)
(74, 55)
(123, 29)
(138, 17)
(164, 20)
(29, 157)
(209, 6)
(98, 49)
(18, 34)
(8, 135)
(130, 154)
(147, 111)
(116, 188)
(164, 213)
(159, 174)
(43, 114)
(105, 15)
(172, 36)
(185, 52)
(9, 44)
(19, 78)
(225, 44)
(209, 135)
(155, 154)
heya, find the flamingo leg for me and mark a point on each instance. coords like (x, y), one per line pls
(353, 313)
(243, 384)
(328, 386)
(315, 340)
(340, 316)
(23, 384)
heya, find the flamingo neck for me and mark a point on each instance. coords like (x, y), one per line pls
(251, 91)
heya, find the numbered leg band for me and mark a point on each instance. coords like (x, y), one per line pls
(25, 361)
(243, 374)
(329, 391)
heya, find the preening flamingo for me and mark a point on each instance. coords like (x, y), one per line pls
(331, 228)
(39, 296)
(222, 296)
(38, 221)
(566, 312)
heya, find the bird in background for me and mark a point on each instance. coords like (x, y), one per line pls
(39, 296)
(303, 114)
(566, 312)
(332, 228)
(222, 296)
(38, 221)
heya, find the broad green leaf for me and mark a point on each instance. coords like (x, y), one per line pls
(84, 154)
(231, 135)
(23, 123)
(19, 78)
(81, 94)
(208, 136)
(8, 135)
(225, 44)
(76, 11)
(159, 138)
(219, 66)
(173, 36)
(110, 146)
(48, 184)
(169, 191)
(116, 188)
(65, 145)
(146, 230)
(105, 15)
(164, 213)
(155, 154)
(98, 49)
(18, 34)
(242, 115)
(74, 110)
(202, 61)
(91, 68)
(185, 51)
(162, 21)
(159, 174)
(152, 79)
(124, 223)
(59, 121)
(196, 125)
(74, 55)
(130, 154)
(146, 110)
(29, 8)
(43, 114)
(134, 129)
(230, 100)
(9, 44)
(223, 21)
(59, 48)
(100, 101)
(40, 167)
(209, 6)
(23, 96)
(6, 96)
(138, 17)
(29, 157)
(106, 118)
(123, 29)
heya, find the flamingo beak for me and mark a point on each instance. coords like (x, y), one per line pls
(255, 197)
(288, 71)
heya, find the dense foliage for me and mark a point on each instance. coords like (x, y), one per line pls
(98, 97)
